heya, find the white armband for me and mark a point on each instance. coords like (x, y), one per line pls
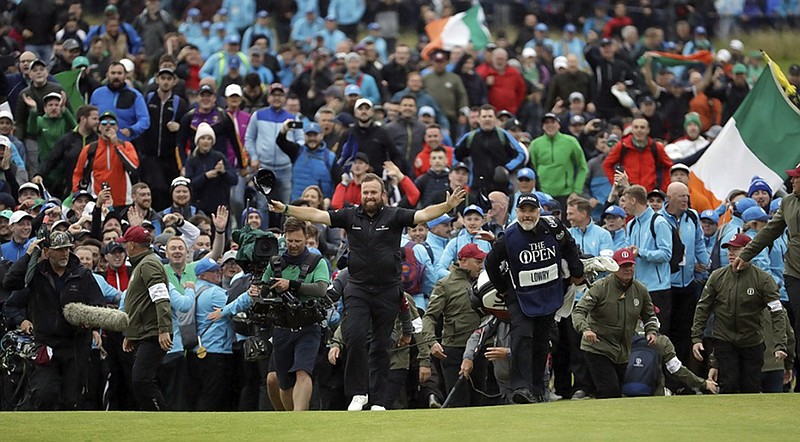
(417, 324)
(158, 292)
(673, 365)
(775, 306)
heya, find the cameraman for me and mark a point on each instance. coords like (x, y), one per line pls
(304, 275)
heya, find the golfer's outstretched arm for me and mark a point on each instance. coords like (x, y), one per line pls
(301, 213)
(437, 210)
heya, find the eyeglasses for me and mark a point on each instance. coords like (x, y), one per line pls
(108, 123)
(27, 61)
(523, 179)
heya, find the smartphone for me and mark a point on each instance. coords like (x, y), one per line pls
(619, 168)
(105, 185)
(295, 125)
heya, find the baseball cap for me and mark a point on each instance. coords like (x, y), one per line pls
(426, 110)
(60, 240)
(755, 214)
(794, 172)
(262, 14)
(255, 50)
(80, 61)
(569, 27)
(373, 26)
(700, 30)
(205, 25)
(136, 234)
(710, 215)
(541, 27)
(70, 44)
(745, 203)
(352, 89)
(193, 12)
(773, 206)
(505, 113)
(362, 101)
(473, 208)
(205, 88)
(656, 192)
(274, 87)
(229, 255)
(739, 69)
(577, 119)
(344, 119)
(233, 39)
(127, 64)
(606, 41)
(439, 56)
(362, 156)
(18, 216)
(6, 214)
(6, 114)
(233, 89)
(548, 116)
(528, 52)
(738, 240)
(460, 165)
(560, 62)
(647, 99)
(167, 71)
(528, 199)
(614, 211)
(679, 166)
(82, 193)
(4, 141)
(312, 128)
(440, 220)
(30, 186)
(51, 96)
(794, 69)
(471, 250)
(736, 45)
(205, 265)
(38, 61)
(112, 247)
(624, 256)
(222, 11)
(576, 96)
(330, 18)
(526, 172)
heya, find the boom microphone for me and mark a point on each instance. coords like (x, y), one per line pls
(81, 315)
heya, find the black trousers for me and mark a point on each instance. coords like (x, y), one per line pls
(739, 367)
(529, 344)
(793, 290)
(465, 395)
(209, 386)
(684, 302)
(158, 173)
(147, 359)
(395, 384)
(607, 376)
(60, 384)
(663, 300)
(368, 308)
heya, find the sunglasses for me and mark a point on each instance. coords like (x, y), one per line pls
(108, 123)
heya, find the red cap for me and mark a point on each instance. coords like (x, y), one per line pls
(794, 172)
(136, 234)
(471, 250)
(738, 240)
(624, 256)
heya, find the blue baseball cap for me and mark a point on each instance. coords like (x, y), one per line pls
(614, 211)
(700, 30)
(440, 220)
(541, 27)
(233, 39)
(352, 89)
(262, 14)
(775, 204)
(472, 208)
(219, 26)
(374, 26)
(745, 203)
(755, 214)
(312, 128)
(543, 197)
(205, 25)
(193, 12)
(222, 11)
(330, 18)
(526, 172)
(570, 28)
(205, 265)
(710, 215)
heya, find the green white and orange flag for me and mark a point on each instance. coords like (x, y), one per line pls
(762, 138)
(459, 30)
(671, 59)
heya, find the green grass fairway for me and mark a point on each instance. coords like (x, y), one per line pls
(699, 418)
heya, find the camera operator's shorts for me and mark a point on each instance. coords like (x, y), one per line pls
(293, 351)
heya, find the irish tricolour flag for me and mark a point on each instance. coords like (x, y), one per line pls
(762, 138)
(459, 30)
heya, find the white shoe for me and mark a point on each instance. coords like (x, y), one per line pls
(377, 408)
(358, 402)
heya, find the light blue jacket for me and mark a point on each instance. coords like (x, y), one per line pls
(620, 238)
(256, 29)
(652, 264)
(347, 12)
(135, 118)
(369, 87)
(303, 29)
(331, 39)
(241, 13)
(192, 30)
(178, 302)
(450, 253)
(694, 247)
(438, 245)
(262, 133)
(380, 47)
(764, 261)
(302, 7)
(111, 294)
(422, 256)
(594, 240)
(216, 336)
(732, 227)
(218, 64)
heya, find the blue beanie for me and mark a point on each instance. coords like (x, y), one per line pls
(248, 211)
(758, 183)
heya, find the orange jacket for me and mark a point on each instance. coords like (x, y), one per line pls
(108, 167)
(640, 165)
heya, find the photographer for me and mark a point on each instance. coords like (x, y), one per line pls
(304, 275)
(62, 360)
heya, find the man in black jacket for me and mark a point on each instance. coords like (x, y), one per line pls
(607, 71)
(59, 380)
(368, 137)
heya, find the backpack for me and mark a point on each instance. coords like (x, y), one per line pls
(500, 135)
(309, 265)
(654, 151)
(187, 323)
(644, 369)
(413, 272)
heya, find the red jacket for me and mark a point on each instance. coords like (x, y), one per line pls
(507, 90)
(423, 161)
(639, 165)
(108, 167)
